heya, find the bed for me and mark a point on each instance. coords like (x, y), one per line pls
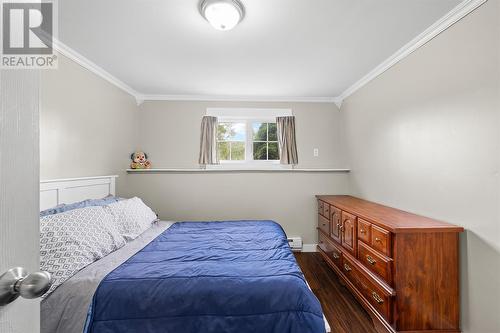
(226, 276)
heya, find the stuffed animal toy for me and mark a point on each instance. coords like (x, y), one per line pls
(139, 160)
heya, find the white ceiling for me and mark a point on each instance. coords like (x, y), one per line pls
(287, 48)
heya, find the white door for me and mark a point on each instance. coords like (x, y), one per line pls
(19, 190)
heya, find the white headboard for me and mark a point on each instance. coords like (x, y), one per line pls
(58, 191)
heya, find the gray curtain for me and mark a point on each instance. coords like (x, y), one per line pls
(287, 140)
(208, 141)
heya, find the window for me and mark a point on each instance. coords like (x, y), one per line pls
(248, 137)
(247, 140)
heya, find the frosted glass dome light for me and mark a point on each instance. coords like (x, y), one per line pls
(222, 14)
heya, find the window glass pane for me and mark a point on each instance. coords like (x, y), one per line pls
(260, 151)
(259, 131)
(273, 133)
(231, 132)
(273, 151)
(223, 148)
(223, 131)
(237, 151)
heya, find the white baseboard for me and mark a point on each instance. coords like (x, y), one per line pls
(309, 247)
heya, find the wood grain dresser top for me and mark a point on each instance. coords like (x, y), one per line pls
(393, 219)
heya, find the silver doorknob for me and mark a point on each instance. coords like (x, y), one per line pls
(17, 282)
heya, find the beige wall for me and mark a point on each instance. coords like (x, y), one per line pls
(285, 198)
(425, 137)
(169, 133)
(87, 125)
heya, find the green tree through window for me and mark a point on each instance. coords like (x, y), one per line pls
(265, 144)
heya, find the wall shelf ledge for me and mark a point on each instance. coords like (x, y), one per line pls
(225, 170)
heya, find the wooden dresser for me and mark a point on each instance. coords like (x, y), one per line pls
(402, 267)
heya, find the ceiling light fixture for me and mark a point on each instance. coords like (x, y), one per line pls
(222, 14)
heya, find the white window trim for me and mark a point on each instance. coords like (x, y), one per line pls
(239, 113)
(248, 115)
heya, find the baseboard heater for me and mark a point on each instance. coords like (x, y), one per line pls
(295, 243)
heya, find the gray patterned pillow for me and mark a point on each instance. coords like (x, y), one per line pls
(132, 217)
(72, 240)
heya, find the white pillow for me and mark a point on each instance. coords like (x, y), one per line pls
(72, 240)
(132, 217)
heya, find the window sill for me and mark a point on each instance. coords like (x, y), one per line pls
(235, 169)
(238, 165)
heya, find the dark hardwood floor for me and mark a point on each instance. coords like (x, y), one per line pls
(341, 309)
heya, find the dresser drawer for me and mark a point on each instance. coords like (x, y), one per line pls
(324, 224)
(336, 256)
(330, 249)
(364, 231)
(349, 270)
(381, 240)
(376, 296)
(326, 210)
(324, 244)
(375, 262)
(371, 290)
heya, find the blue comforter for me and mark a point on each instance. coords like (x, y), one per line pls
(237, 276)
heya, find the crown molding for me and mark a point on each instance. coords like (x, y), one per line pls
(92, 67)
(338, 102)
(452, 17)
(220, 98)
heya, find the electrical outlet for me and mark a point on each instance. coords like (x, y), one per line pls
(316, 152)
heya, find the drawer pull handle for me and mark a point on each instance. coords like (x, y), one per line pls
(363, 231)
(377, 298)
(347, 267)
(370, 259)
(378, 240)
(335, 255)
